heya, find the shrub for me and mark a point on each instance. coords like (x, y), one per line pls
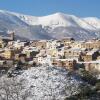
(87, 76)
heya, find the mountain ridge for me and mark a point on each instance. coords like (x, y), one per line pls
(50, 26)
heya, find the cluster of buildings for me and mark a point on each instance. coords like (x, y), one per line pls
(65, 52)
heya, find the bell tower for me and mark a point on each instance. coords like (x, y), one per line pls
(12, 35)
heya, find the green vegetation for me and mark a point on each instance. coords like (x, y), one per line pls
(87, 77)
(88, 91)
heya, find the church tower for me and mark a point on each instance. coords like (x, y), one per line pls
(12, 36)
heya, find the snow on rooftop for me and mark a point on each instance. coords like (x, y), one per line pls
(69, 59)
(76, 49)
(43, 41)
(92, 62)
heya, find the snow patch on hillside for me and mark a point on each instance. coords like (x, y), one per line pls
(95, 22)
(50, 83)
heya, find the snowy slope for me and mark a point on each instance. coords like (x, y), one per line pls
(93, 21)
(46, 83)
(57, 20)
(51, 26)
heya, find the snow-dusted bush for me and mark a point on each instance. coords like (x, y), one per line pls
(41, 83)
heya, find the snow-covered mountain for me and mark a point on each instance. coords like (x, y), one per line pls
(57, 20)
(57, 25)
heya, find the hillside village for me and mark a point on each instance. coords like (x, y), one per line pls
(65, 52)
(63, 69)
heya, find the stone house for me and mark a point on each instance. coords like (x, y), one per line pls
(91, 44)
(30, 51)
(67, 41)
(41, 44)
(93, 66)
(8, 54)
(73, 53)
(90, 55)
(70, 64)
(45, 60)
